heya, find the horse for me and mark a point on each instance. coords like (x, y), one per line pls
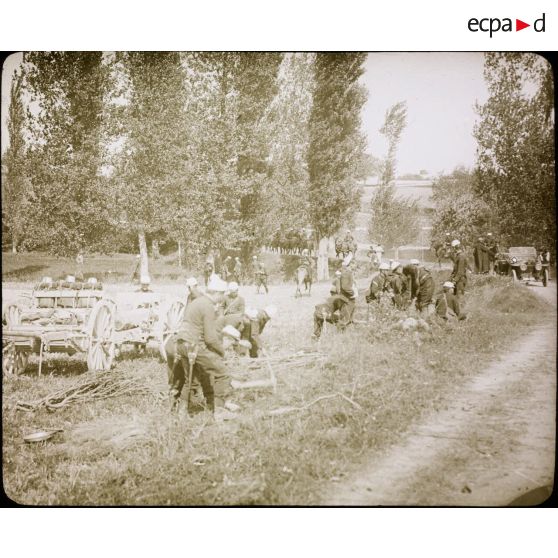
(303, 277)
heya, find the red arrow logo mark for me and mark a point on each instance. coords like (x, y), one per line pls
(519, 25)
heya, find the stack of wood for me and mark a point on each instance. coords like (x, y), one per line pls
(101, 386)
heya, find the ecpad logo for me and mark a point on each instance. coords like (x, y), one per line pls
(495, 24)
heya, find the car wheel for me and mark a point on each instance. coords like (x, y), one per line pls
(514, 276)
(545, 277)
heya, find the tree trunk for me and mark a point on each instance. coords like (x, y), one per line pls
(180, 253)
(144, 262)
(323, 259)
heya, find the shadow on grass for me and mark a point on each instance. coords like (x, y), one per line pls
(57, 368)
(22, 273)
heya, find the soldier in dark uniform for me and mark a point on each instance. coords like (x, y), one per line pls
(447, 304)
(234, 303)
(348, 289)
(237, 271)
(422, 286)
(330, 311)
(208, 270)
(493, 249)
(398, 286)
(253, 325)
(306, 262)
(198, 334)
(460, 265)
(379, 284)
(260, 276)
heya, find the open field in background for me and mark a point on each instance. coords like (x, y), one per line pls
(375, 382)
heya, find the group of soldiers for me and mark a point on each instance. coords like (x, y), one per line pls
(484, 253)
(214, 320)
(405, 285)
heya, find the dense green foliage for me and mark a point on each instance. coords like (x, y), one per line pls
(459, 210)
(516, 155)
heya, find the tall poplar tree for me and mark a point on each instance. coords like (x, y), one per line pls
(68, 200)
(336, 146)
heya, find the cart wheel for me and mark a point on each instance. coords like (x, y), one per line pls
(12, 315)
(170, 319)
(14, 361)
(514, 276)
(545, 277)
(100, 330)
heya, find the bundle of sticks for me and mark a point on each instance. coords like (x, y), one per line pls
(101, 386)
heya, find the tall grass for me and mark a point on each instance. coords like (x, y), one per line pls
(376, 381)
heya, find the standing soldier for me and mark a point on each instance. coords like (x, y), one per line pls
(306, 262)
(260, 276)
(459, 273)
(493, 249)
(348, 289)
(208, 270)
(79, 267)
(198, 337)
(225, 269)
(237, 271)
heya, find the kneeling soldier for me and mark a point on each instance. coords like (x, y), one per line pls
(329, 311)
(447, 304)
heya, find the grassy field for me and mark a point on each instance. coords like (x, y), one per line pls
(371, 385)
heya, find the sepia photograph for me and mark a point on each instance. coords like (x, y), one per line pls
(278, 279)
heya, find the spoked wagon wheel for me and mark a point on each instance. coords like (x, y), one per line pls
(100, 330)
(12, 315)
(14, 361)
(170, 319)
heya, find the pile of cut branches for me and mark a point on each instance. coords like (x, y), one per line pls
(100, 386)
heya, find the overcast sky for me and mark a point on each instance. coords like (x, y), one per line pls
(440, 90)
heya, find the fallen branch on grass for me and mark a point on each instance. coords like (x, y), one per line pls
(286, 410)
(101, 386)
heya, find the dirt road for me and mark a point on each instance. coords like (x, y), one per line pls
(494, 443)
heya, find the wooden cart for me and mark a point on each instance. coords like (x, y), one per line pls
(79, 318)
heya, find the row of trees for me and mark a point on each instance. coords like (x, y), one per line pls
(511, 191)
(212, 150)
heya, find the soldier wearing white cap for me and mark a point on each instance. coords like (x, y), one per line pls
(447, 304)
(198, 335)
(422, 288)
(254, 324)
(234, 303)
(398, 285)
(192, 289)
(260, 276)
(379, 283)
